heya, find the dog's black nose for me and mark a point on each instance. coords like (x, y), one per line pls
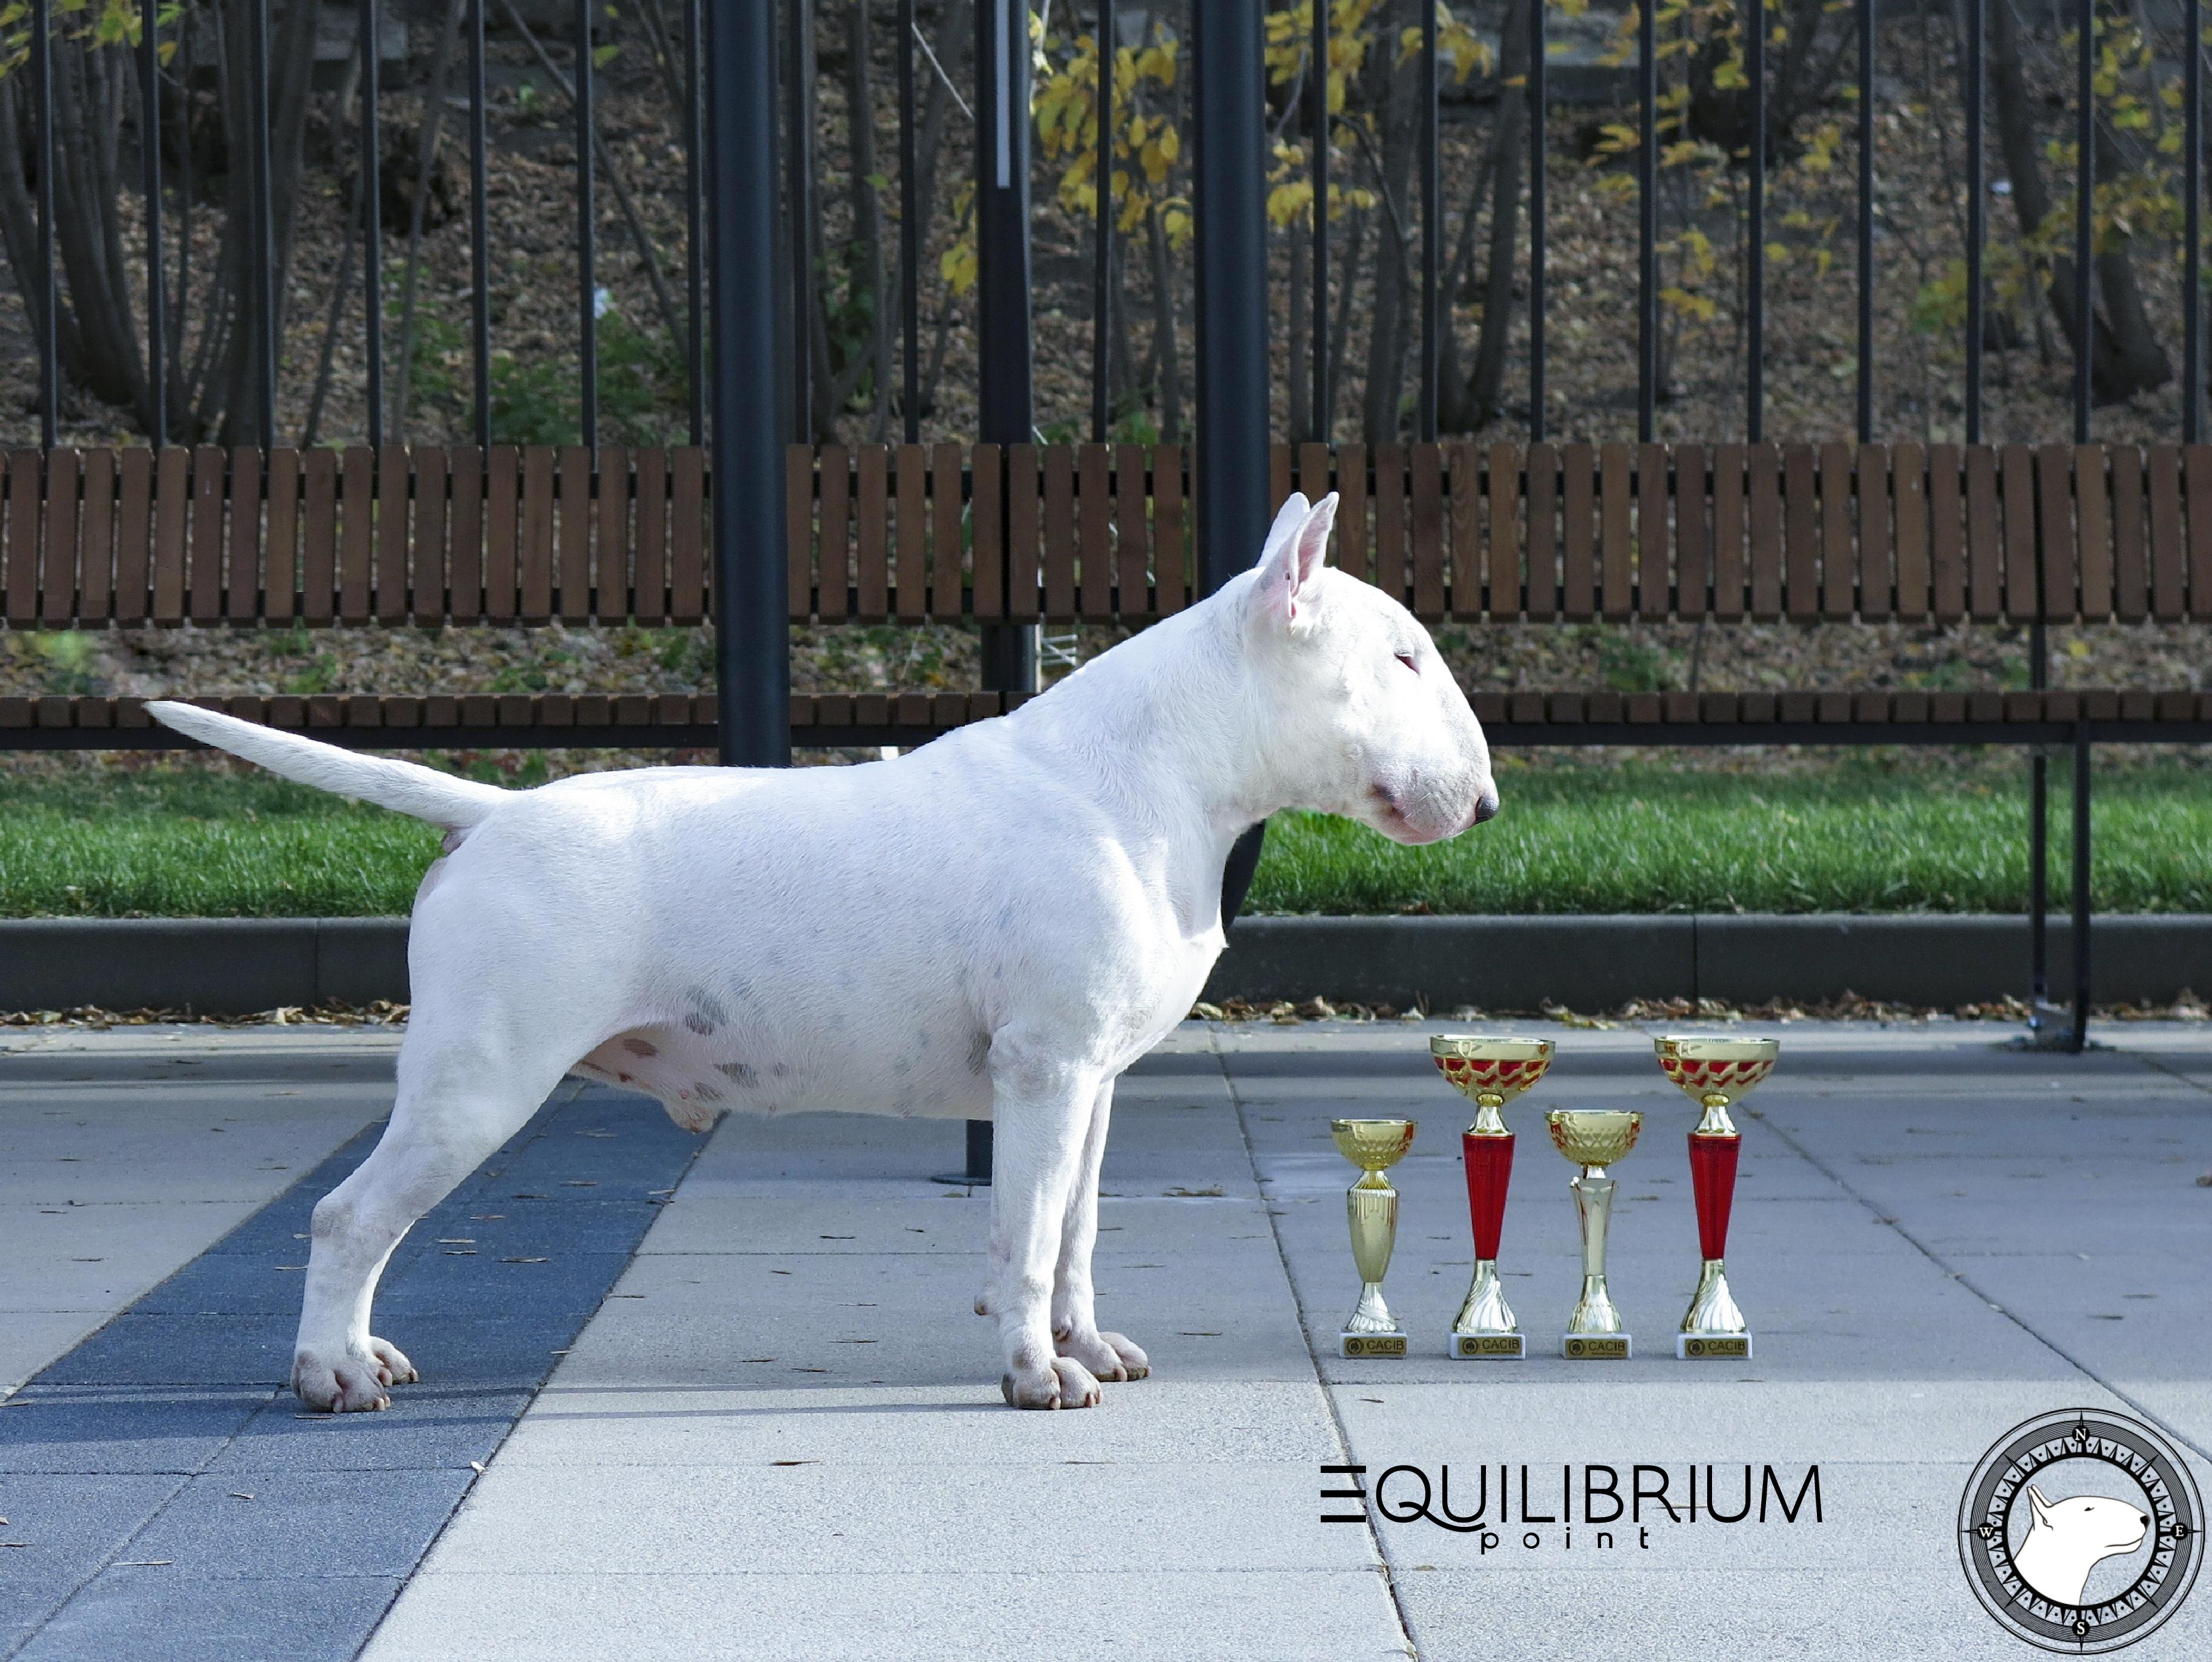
(1485, 806)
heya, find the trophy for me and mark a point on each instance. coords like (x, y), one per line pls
(1715, 1072)
(1593, 1139)
(1374, 1146)
(1491, 1072)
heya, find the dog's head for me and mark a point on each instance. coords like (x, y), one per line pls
(1363, 719)
(2089, 1526)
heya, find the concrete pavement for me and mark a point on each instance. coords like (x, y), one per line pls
(780, 1434)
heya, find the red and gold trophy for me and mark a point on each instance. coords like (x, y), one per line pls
(1490, 1073)
(1714, 1073)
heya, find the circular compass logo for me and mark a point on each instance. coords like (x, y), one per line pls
(2081, 1531)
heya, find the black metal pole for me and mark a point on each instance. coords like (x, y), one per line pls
(587, 244)
(1431, 226)
(695, 207)
(1647, 237)
(1537, 110)
(911, 232)
(752, 668)
(1977, 198)
(2039, 852)
(1102, 242)
(1755, 280)
(1323, 421)
(2080, 1036)
(2085, 177)
(1004, 410)
(2192, 220)
(149, 160)
(372, 220)
(42, 98)
(480, 232)
(1230, 196)
(1866, 221)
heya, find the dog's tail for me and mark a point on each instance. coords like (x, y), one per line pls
(427, 794)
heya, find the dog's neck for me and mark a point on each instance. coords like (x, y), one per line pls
(1164, 735)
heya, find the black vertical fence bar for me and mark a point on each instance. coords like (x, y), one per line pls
(1647, 230)
(149, 162)
(1754, 424)
(1866, 221)
(752, 636)
(42, 106)
(264, 229)
(587, 241)
(1977, 198)
(372, 222)
(1102, 247)
(2078, 1038)
(1537, 171)
(695, 248)
(480, 231)
(1431, 223)
(911, 230)
(1323, 421)
(2192, 221)
(798, 199)
(2085, 191)
(1230, 199)
(1006, 404)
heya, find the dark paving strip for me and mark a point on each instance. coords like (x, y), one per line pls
(172, 1500)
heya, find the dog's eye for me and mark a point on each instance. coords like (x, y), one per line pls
(1406, 659)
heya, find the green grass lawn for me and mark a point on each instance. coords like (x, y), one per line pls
(180, 838)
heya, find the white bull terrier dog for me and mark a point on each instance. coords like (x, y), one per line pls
(2067, 1539)
(991, 927)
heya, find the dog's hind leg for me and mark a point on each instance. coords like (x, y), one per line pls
(456, 1104)
(1042, 1112)
(1074, 1317)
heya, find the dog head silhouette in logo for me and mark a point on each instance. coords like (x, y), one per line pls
(2067, 1538)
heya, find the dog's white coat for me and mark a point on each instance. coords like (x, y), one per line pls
(2067, 1539)
(994, 925)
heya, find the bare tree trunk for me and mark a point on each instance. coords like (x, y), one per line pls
(2127, 358)
(1388, 342)
(1469, 405)
(1167, 358)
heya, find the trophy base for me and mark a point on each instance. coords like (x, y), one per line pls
(1597, 1347)
(1371, 1344)
(1485, 1347)
(1712, 1347)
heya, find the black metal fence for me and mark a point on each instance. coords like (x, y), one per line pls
(1391, 117)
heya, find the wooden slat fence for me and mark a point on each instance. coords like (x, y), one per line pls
(1461, 531)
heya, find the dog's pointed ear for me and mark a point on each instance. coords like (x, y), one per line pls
(1288, 519)
(1286, 575)
(2042, 1508)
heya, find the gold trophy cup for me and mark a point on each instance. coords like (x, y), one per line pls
(1594, 1139)
(1374, 1146)
(1490, 1073)
(1714, 1073)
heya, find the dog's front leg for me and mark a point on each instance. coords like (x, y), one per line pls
(1040, 1108)
(1075, 1316)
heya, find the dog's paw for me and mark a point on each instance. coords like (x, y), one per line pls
(1110, 1357)
(353, 1382)
(391, 1363)
(1135, 1364)
(1061, 1382)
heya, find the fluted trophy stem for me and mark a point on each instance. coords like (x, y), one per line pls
(1593, 1141)
(1371, 1209)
